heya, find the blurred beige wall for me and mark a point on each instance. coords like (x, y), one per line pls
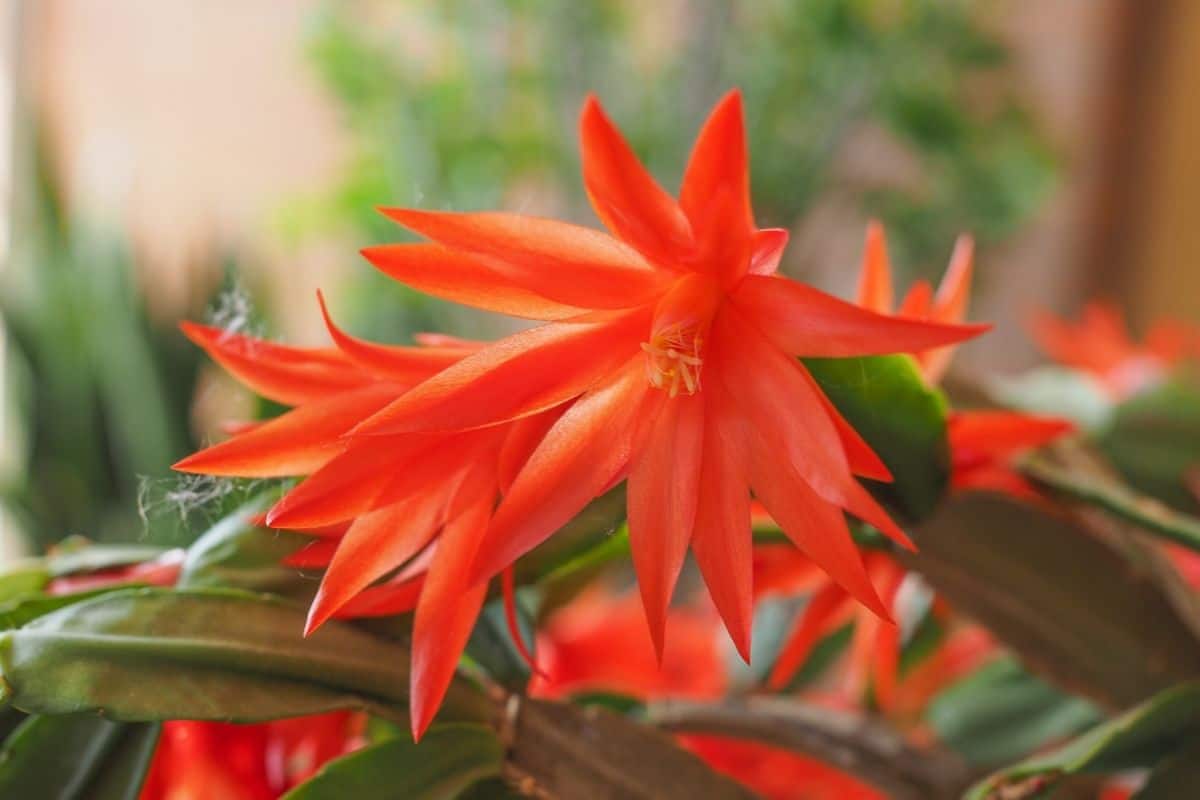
(187, 124)
(1159, 266)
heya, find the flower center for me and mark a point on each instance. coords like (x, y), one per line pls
(675, 352)
(673, 359)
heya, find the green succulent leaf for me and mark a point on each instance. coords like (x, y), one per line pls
(27, 608)
(76, 757)
(1154, 440)
(22, 578)
(1141, 737)
(492, 647)
(1068, 600)
(886, 400)
(236, 554)
(154, 654)
(447, 761)
(126, 766)
(1001, 713)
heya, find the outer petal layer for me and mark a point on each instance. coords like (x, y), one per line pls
(582, 455)
(446, 612)
(528, 372)
(803, 321)
(721, 539)
(375, 544)
(288, 375)
(298, 442)
(663, 491)
(626, 198)
(566, 263)
(875, 280)
(462, 278)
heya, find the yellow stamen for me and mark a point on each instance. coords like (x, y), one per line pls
(673, 360)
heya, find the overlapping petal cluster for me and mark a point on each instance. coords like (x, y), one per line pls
(984, 445)
(667, 359)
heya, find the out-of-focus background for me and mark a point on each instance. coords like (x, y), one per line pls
(222, 160)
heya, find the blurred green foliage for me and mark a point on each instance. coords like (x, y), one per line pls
(101, 393)
(471, 104)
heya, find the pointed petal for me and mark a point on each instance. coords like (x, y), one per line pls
(918, 303)
(462, 278)
(859, 502)
(565, 263)
(718, 173)
(627, 199)
(793, 450)
(782, 570)
(779, 403)
(314, 555)
(288, 375)
(805, 322)
(528, 372)
(767, 249)
(446, 613)
(954, 292)
(826, 610)
(384, 470)
(349, 484)
(663, 492)
(579, 457)
(721, 540)
(998, 478)
(509, 590)
(405, 366)
(875, 279)
(813, 524)
(375, 544)
(298, 442)
(885, 664)
(862, 459)
(783, 406)
(950, 305)
(524, 435)
(979, 436)
(398, 595)
(384, 600)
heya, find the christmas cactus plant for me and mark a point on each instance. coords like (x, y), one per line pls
(468, 576)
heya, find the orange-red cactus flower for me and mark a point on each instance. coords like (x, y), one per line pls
(203, 760)
(677, 344)
(413, 505)
(1099, 344)
(985, 444)
(576, 645)
(577, 653)
(948, 304)
(875, 648)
